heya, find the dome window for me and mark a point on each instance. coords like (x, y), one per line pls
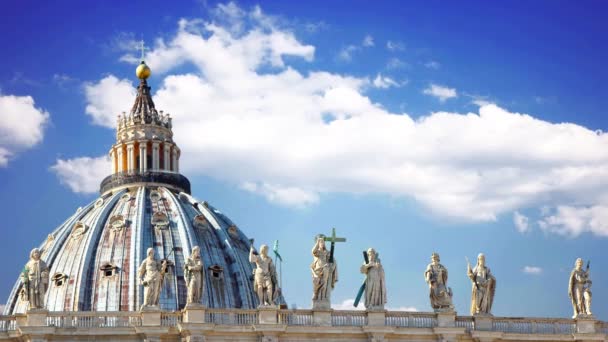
(216, 271)
(233, 230)
(99, 203)
(117, 222)
(125, 197)
(59, 279)
(108, 270)
(200, 221)
(184, 197)
(160, 220)
(79, 229)
(155, 196)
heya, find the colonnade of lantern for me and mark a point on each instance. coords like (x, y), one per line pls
(142, 156)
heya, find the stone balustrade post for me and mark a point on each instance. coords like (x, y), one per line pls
(446, 319)
(585, 325)
(268, 315)
(194, 314)
(376, 317)
(150, 317)
(321, 317)
(483, 322)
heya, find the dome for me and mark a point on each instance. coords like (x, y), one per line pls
(94, 256)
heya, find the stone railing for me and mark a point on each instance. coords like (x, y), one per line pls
(172, 179)
(94, 319)
(339, 324)
(534, 325)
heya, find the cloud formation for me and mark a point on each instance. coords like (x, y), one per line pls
(440, 92)
(83, 174)
(521, 222)
(534, 270)
(21, 125)
(292, 137)
(573, 221)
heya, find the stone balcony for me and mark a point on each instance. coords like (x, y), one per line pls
(270, 324)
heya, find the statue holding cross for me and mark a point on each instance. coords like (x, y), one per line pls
(324, 270)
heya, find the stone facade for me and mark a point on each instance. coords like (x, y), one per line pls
(271, 324)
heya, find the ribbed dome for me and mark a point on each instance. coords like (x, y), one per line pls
(93, 256)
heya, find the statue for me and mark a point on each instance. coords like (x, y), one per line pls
(436, 275)
(324, 274)
(579, 290)
(265, 276)
(375, 284)
(195, 277)
(151, 274)
(484, 287)
(35, 277)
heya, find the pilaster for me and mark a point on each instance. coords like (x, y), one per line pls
(174, 159)
(130, 156)
(166, 160)
(155, 155)
(142, 156)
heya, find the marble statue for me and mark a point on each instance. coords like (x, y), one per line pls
(324, 274)
(579, 290)
(195, 277)
(436, 275)
(35, 279)
(265, 276)
(484, 287)
(151, 274)
(375, 284)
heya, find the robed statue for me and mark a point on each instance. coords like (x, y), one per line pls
(151, 275)
(375, 284)
(324, 274)
(195, 277)
(35, 278)
(265, 280)
(436, 276)
(579, 289)
(484, 287)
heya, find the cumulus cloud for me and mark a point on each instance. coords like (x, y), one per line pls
(292, 137)
(368, 41)
(395, 63)
(440, 92)
(348, 304)
(108, 98)
(573, 221)
(432, 65)
(534, 270)
(83, 174)
(395, 46)
(521, 222)
(21, 127)
(384, 82)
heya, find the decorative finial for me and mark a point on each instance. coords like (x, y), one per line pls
(142, 71)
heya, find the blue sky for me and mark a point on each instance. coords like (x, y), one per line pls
(411, 127)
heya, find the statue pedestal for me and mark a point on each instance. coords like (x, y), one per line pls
(194, 313)
(585, 325)
(376, 317)
(483, 322)
(322, 317)
(267, 315)
(36, 317)
(150, 316)
(322, 304)
(446, 319)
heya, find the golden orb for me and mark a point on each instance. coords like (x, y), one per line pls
(142, 71)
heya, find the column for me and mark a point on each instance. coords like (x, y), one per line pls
(174, 159)
(120, 164)
(166, 149)
(130, 156)
(155, 155)
(177, 161)
(142, 156)
(113, 160)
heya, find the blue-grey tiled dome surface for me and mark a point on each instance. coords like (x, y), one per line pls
(94, 255)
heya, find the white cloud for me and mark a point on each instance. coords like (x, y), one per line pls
(21, 127)
(402, 308)
(395, 63)
(346, 53)
(440, 92)
(288, 196)
(107, 99)
(292, 136)
(535, 270)
(432, 65)
(2, 307)
(575, 220)
(368, 41)
(348, 304)
(395, 46)
(521, 222)
(82, 175)
(384, 82)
